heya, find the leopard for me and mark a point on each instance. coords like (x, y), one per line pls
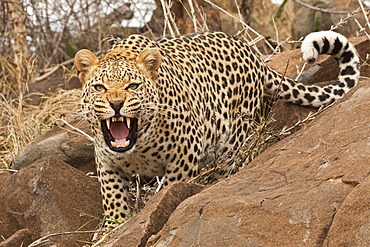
(156, 107)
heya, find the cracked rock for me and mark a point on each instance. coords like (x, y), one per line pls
(63, 144)
(137, 230)
(48, 197)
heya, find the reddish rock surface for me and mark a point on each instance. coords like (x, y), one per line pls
(293, 194)
(4, 175)
(351, 225)
(19, 238)
(48, 197)
(151, 219)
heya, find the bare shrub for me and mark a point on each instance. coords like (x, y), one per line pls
(22, 122)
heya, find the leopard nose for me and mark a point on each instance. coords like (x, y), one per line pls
(116, 106)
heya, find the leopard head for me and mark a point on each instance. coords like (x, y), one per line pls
(116, 89)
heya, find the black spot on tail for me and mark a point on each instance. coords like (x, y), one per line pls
(346, 46)
(317, 47)
(348, 71)
(337, 46)
(287, 96)
(326, 46)
(335, 83)
(347, 56)
(323, 97)
(295, 93)
(309, 97)
(298, 102)
(339, 92)
(313, 89)
(311, 60)
(350, 82)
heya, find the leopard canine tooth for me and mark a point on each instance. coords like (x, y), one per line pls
(127, 143)
(108, 122)
(128, 122)
(114, 144)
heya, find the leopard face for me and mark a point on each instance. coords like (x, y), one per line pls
(119, 94)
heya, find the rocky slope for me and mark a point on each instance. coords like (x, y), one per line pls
(48, 197)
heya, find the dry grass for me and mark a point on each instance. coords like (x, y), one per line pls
(22, 122)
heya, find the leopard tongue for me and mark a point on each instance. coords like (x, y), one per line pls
(119, 130)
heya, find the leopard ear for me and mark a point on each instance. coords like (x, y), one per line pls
(149, 61)
(84, 60)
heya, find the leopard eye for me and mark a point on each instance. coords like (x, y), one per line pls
(133, 86)
(99, 87)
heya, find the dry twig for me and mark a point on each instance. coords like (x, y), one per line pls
(45, 239)
(320, 9)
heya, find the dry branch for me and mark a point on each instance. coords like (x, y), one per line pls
(330, 11)
(245, 25)
(52, 70)
(44, 240)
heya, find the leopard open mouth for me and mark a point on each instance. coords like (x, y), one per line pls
(120, 132)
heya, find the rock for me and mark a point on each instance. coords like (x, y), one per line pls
(137, 230)
(19, 238)
(46, 86)
(48, 197)
(4, 175)
(351, 225)
(292, 193)
(63, 144)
